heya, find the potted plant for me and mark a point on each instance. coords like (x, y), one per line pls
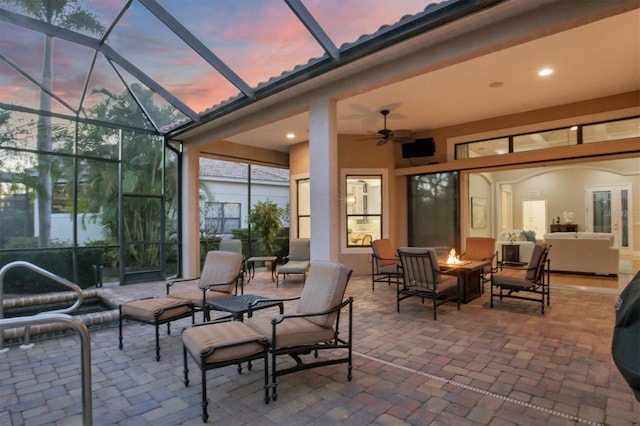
(265, 219)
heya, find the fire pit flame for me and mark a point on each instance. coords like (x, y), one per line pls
(453, 258)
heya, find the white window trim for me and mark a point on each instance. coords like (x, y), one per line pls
(293, 204)
(343, 207)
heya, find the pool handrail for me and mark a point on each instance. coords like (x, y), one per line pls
(85, 348)
(44, 272)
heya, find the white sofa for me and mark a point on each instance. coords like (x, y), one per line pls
(517, 237)
(583, 252)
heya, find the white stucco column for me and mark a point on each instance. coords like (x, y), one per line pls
(190, 212)
(323, 173)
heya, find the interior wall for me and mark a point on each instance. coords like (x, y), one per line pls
(480, 187)
(564, 189)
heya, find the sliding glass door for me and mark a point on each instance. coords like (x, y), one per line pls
(434, 212)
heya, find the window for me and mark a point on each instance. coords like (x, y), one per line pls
(221, 218)
(613, 130)
(574, 135)
(304, 207)
(363, 209)
(62, 199)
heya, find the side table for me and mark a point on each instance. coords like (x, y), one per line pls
(251, 266)
(237, 306)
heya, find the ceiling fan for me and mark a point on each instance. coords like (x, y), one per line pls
(385, 135)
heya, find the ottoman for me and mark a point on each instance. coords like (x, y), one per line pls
(155, 311)
(221, 344)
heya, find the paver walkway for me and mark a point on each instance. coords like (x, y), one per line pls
(503, 366)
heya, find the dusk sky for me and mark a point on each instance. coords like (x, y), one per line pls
(257, 39)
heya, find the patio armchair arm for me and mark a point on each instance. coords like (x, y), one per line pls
(339, 307)
(225, 318)
(284, 299)
(518, 267)
(179, 280)
(253, 306)
(210, 286)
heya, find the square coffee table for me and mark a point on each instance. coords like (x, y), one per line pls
(237, 306)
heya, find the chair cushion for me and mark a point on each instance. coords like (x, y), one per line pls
(294, 267)
(155, 309)
(233, 245)
(300, 249)
(195, 295)
(203, 339)
(388, 269)
(448, 283)
(221, 267)
(536, 258)
(384, 253)
(433, 256)
(292, 331)
(324, 289)
(511, 279)
(479, 248)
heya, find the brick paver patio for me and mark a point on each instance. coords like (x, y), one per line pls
(503, 366)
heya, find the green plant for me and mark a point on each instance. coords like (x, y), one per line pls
(265, 219)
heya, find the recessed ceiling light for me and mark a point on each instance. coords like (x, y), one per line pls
(291, 135)
(574, 128)
(545, 72)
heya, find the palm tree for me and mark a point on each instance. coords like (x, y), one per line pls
(144, 167)
(68, 14)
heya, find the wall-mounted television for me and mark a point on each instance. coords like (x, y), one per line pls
(420, 148)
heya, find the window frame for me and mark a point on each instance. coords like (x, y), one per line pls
(384, 208)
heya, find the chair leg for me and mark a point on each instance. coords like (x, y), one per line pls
(205, 402)
(120, 330)
(274, 381)
(158, 341)
(434, 308)
(267, 398)
(185, 369)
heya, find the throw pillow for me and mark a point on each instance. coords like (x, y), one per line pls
(529, 235)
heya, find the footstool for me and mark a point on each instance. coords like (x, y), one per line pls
(222, 344)
(155, 311)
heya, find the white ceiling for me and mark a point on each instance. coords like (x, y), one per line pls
(591, 61)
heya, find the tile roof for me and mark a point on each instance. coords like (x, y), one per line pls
(210, 167)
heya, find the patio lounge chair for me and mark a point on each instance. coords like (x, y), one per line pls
(384, 263)
(298, 260)
(218, 279)
(315, 325)
(422, 277)
(524, 282)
